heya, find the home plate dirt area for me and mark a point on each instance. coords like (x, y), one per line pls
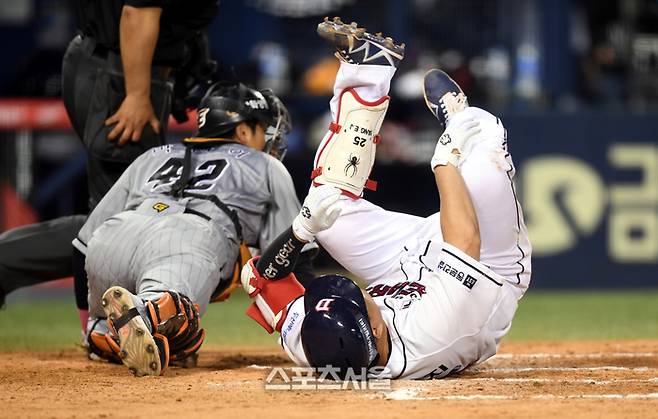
(526, 379)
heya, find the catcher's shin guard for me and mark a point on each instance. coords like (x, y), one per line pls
(143, 352)
(176, 317)
(102, 344)
(347, 153)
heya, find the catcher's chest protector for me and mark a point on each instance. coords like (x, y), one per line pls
(346, 155)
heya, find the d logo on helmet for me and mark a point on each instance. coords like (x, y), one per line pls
(324, 304)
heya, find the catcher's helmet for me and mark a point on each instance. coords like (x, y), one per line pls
(227, 104)
(336, 330)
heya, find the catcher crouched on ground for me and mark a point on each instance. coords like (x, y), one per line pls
(172, 233)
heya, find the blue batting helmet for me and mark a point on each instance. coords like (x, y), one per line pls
(336, 330)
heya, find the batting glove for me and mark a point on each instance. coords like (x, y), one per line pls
(451, 142)
(319, 211)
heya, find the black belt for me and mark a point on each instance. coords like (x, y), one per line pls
(197, 213)
(101, 51)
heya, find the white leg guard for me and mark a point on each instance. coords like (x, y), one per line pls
(347, 153)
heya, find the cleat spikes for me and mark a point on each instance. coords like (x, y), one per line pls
(354, 45)
(138, 349)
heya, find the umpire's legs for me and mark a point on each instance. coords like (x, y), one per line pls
(37, 253)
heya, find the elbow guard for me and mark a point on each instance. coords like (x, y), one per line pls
(271, 298)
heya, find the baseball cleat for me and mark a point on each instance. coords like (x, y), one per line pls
(142, 352)
(443, 95)
(354, 45)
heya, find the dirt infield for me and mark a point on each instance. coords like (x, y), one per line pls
(557, 379)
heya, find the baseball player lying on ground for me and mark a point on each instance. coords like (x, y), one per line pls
(441, 291)
(165, 239)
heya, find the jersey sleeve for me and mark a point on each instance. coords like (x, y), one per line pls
(284, 204)
(112, 203)
(291, 333)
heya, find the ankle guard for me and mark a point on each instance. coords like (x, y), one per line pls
(345, 157)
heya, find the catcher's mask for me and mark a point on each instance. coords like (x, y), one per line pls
(227, 104)
(336, 331)
(279, 127)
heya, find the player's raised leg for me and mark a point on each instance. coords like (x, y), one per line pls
(346, 154)
(368, 62)
(488, 171)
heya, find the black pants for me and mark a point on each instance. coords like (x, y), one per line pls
(37, 253)
(92, 90)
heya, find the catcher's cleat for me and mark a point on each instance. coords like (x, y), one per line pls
(142, 352)
(443, 95)
(356, 46)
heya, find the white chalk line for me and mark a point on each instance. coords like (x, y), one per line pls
(529, 369)
(259, 367)
(560, 380)
(579, 356)
(231, 384)
(413, 394)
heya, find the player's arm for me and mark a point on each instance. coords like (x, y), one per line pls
(284, 207)
(321, 208)
(269, 279)
(138, 36)
(459, 223)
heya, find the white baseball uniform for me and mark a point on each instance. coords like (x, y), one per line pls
(444, 310)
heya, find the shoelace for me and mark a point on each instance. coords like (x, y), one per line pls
(460, 100)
